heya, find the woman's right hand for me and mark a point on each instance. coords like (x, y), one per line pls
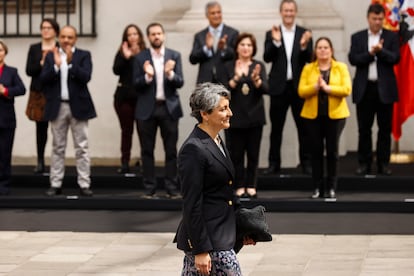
(203, 263)
(126, 51)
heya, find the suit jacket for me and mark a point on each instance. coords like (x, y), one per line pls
(33, 67)
(79, 75)
(386, 59)
(146, 91)
(277, 56)
(211, 68)
(12, 81)
(340, 83)
(206, 177)
(248, 109)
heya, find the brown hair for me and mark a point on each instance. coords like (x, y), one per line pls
(243, 36)
(154, 24)
(141, 43)
(52, 22)
(330, 45)
(6, 49)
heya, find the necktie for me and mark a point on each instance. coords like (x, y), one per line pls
(216, 35)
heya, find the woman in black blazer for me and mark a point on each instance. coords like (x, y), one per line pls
(247, 83)
(207, 232)
(11, 86)
(49, 29)
(125, 97)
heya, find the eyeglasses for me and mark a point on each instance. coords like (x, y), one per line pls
(47, 28)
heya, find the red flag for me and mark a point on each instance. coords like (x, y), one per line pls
(404, 71)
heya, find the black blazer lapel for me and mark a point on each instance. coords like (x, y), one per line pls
(215, 151)
(364, 39)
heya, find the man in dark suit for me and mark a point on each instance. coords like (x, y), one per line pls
(157, 76)
(65, 75)
(288, 47)
(213, 46)
(374, 52)
(11, 86)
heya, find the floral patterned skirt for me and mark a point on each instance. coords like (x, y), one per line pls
(224, 263)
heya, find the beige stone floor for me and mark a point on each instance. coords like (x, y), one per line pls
(122, 254)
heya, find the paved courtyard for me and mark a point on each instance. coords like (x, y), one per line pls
(122, 254)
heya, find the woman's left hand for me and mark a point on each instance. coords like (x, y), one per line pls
(255, 76)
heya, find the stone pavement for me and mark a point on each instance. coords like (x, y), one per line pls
(122, 254)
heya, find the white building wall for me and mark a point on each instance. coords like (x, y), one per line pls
(113, 16)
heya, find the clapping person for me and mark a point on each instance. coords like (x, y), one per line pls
(288, 47)
(324, 85)
(213, 46)
(157, 77)
(247, 84)
(11, 86)
(374, 52)
(65, 76)
(125, 98)
(49, 30)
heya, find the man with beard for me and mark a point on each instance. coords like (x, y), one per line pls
(157, 75)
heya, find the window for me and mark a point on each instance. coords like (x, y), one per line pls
(38, 6)
(21, 18)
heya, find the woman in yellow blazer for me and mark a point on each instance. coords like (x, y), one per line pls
(324, 84)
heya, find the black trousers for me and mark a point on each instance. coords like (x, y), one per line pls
(147, 135)
(126, 115)
(324, 133)
(41, 139)
(370, 106)
(6, 146)
(245, 142)
(279, 106)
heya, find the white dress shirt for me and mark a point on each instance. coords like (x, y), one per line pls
(373, 39)
(288, 36)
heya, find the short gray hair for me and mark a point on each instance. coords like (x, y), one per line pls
(206, 97)
(211, 4)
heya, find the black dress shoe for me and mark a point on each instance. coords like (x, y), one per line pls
(384, 170)
(124, 168)
(85, 192)
(40, 168)
(52, 191)
(272, 169)
(363, 169)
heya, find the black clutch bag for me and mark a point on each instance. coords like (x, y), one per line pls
(251, 223)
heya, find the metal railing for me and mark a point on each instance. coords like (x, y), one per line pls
(21, 18)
